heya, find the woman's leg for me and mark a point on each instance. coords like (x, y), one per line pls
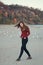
(21, 52)
(29, 56)
(27, 52)
(24, 47)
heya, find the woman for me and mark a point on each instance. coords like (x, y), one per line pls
(25, 32)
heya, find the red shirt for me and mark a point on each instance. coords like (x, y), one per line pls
(25, 33)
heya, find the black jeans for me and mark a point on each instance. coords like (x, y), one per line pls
(23, 47)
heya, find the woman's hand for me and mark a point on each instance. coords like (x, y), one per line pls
(24, 37)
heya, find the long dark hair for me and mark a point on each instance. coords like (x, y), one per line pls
(24, 26)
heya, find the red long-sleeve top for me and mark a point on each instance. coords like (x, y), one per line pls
(25, 33)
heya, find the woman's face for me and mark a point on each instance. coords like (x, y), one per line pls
(21, 24)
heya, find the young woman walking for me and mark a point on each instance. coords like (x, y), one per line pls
(25, 32)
